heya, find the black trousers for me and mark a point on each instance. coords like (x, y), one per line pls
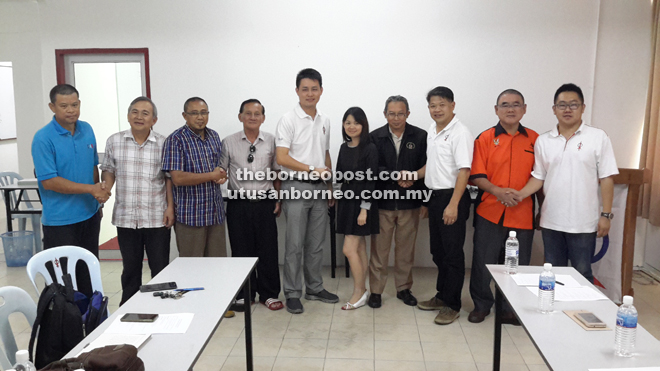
(132, 245)
(447, 246)
(489, 240)
(84, 234)
(252, 230)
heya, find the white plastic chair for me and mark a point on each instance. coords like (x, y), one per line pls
(37, 265)
(15, 300)
(7, 178)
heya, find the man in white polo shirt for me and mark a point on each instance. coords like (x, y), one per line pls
(449, 158)
(303, 146)
(570, 162)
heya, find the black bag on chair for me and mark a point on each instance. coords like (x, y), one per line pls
(59, 324)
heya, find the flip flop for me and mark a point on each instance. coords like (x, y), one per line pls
(273, 304)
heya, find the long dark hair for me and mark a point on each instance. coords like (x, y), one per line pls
(361, 118)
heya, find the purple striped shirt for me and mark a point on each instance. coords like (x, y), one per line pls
(199, 205)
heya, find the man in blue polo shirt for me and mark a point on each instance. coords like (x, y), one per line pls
(65, 161)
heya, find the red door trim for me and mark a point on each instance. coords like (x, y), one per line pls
(60, 53)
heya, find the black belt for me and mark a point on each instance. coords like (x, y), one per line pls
(441, 192)
(309, 181)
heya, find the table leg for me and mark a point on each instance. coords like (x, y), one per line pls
(248, 323)
(333, 242)
(8, 209)
(497, 342)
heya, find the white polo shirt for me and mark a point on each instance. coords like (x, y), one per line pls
(570, 169)
(306, 137)
(446, 153)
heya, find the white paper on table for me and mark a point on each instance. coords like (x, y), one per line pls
(532, 279)
(627, 369)
(583, 293)
(176, 323)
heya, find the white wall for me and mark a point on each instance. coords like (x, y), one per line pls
(230, 51)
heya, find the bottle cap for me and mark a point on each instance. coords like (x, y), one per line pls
(547, 266)
(627, 300)
(22, 356)
(512, 233)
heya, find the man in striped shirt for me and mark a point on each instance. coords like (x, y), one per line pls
(144, 209)
(192, 157)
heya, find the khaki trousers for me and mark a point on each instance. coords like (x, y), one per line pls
(403, 225)
(207, 241)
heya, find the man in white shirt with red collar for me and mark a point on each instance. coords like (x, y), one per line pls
(570, 162)
(449, 158)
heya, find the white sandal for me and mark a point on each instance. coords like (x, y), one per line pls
(360, 303)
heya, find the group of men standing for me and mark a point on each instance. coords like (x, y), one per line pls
(175, 181)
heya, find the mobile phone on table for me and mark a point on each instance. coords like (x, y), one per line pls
(158, 287)
(139, 317)
(590, 320)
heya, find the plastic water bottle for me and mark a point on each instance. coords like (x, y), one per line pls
(626, 328)
(511, 252)
(23, 361)
(546, 289)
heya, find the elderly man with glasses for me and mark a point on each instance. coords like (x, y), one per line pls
(401, 149)
(503, 160)
(248, 157)
(191, 155)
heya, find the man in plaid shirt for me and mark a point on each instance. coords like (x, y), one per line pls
(144, 206)
(192, 157)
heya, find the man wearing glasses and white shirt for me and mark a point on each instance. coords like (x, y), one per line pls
(192, 157)
(252, 213)
(571, 160)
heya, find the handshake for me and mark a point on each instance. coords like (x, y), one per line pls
(219, 175)
(101, 192)
(509, 197)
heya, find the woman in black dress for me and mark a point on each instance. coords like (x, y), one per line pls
(357, 214)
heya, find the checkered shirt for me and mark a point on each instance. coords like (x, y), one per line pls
(199, 205)
(140, 194)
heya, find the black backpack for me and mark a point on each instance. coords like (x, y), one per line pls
(59, 324)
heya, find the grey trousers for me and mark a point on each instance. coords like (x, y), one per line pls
(306, 225)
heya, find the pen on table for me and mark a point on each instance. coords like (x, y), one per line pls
(191, 289)
(560, 283)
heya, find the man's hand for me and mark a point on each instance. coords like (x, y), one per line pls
(362, 218)
(507, 197)
(100, 193)
(219, 175)
(168, 217)
(603, 226)
(538, 221)
(423, 212)
(517, 195)
(405, 181)
(278, 209)
(450, 214)
(331, 200)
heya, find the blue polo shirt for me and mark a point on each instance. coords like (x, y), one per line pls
(56, 152)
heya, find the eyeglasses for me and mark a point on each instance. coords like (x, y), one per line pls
(251, 156)
(572, 106)
(393, 115)
(507, 106)
(195, 113)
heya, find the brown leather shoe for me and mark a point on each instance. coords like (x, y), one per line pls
(478, 316)
(510, 319)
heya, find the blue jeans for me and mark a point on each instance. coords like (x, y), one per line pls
(579, 248)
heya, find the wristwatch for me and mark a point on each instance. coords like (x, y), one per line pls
(609, 216)
(311, 168)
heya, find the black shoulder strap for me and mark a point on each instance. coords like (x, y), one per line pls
(45, 299)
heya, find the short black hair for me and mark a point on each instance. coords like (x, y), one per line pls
(442, 92)
(570, 87)
(193, 99)
(144, 99)
(361, 118)
(309, 73)
(510, 91)
(62, 89)
(252, 100)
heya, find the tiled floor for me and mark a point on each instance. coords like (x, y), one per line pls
(394, 337)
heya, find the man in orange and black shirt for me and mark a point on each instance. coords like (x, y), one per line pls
(503, 160)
